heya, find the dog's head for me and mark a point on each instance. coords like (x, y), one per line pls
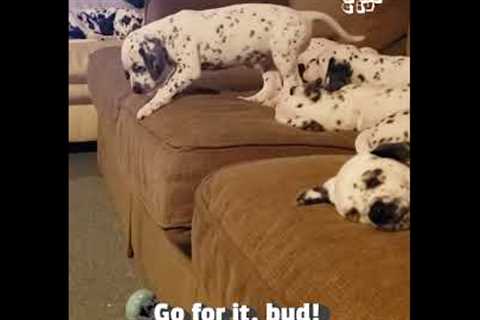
(389, 209)
(146, 62)
(375, 191)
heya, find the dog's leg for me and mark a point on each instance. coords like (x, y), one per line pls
(186, 72)
(272, 85)
(312, 196)
(321, 194)
(286, 45)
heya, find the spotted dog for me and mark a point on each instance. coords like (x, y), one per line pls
(393, 129)
(103, 23)
(338, 65)
(172, 52)
(353, 107)
(373, 187)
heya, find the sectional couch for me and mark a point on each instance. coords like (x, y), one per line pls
(205, 189)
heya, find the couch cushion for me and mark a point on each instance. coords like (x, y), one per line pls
(167, 154)
(387, 24)
(78, 53)
(252, 244)
(157, 9)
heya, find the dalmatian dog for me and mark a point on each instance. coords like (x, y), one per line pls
(103, 23)
(392, 130)
(353, 107)
(172, 52)
(372, 187)
(340, 64)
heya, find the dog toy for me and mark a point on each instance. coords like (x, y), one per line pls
(141, 305)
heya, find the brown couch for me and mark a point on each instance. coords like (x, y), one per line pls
(205, 189)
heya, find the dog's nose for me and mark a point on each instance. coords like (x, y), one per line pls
(382, 213)
(137, 88)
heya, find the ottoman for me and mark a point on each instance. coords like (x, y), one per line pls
(252, 244)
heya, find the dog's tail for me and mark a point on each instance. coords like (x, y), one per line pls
(315, 15)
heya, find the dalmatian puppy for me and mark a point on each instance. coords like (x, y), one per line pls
(172, 52)
(349, 64)
(368, 189)
(393, 129)
(103, 23)
(354, 107)
(372, 187)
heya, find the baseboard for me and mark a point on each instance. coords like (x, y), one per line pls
(76, 147)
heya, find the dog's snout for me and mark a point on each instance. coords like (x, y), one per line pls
(382, 213)
(137, 88)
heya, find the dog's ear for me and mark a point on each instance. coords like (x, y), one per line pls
(155, 57)
(396, 151)
(338, 75)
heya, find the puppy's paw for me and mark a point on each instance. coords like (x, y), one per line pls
(149, 108)
(144, 112)
(313, 196)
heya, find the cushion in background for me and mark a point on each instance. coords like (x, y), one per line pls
(251, 244)
(387, 24)
(78, 54)
(157, 9)
(166, 155)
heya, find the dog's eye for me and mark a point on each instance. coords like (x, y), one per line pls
(138, 69)
(127, 75)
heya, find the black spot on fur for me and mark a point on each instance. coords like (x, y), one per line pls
(301, 70)
(126, 20)
(313, 90)
(302, 201)
(361, 77)
(396, 151)
(372, 178)
(156, 60)
(338, 75)
(312, 125)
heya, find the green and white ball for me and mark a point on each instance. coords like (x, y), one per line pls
(134, 304)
